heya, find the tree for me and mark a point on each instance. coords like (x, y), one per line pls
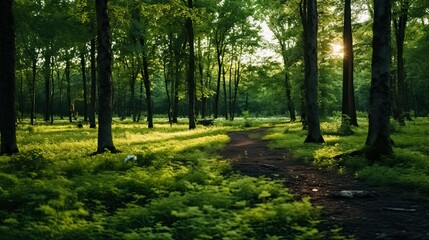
(191, 69)
(400, 24)
(348, 106)
(7, 79)
(309, 17)
(93, 94)
(105, 139)
(284, 28)
(378, 142)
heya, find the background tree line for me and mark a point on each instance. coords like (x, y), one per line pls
(205, 59)
(56, 58)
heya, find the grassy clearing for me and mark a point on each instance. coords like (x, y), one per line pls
(409, 169)
(176, 188)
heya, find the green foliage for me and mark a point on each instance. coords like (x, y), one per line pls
(175, 188)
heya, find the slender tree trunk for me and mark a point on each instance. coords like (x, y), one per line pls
(236, 84)
(7, 79)
(378, 142)
(201, 75)
(348, 107)
(85, 94)
(92, 100)
(311, 74)
(51, 103)
(146, 81)
(176, 85)
(191, 69)
(105, 138)
(21, 97)
(140, 105)
(225, 95)
(230, 91)
(288, 88)
(60, 102)
(133, 81)
(47, 76)
(33, 91)
(219, 75)
(166, 79)
(69, 101)
(208, 79)
(400, 26)
(290, 106)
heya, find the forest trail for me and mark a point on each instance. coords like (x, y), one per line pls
(379, 215)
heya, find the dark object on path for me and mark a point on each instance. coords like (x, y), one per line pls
(205, 122)
(353, 194)
(79, 125)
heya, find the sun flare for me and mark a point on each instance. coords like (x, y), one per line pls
(337, 50)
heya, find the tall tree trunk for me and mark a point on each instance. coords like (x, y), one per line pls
(85, 94)
(21, 97)
(70, 106)
(191, 69)
(348, 106)
(167, 77)
(146, 81)
(92, 100)
(290, 105)
(47, 77)
(311, 81)
(61, 94)
(133, 81)
(219, 55)
(400, 26)
(51, 103)
(33, 90)
(225, 95)
(201, 76)
(236, 83)
(230, 91)
(175, 90)
(105, 139)
(7, 79)
(378, 142)
(288, 88)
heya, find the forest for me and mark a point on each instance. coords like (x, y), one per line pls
(116, 117)
(248, 57)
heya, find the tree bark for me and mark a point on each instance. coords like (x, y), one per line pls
(219, 52)
(92, 100)
(348, 106)
(146, 81)
(400, 26)
(47, 77)
(191, 69)
(237, 76)
(225, 95)
(33, 90)
(290, 105)
(69, 101)
(311, 71)
(105, 139)
(378, 142)
(85, 94)
(7, 79)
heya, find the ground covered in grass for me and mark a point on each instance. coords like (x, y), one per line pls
(167, 183)
(172, 183)
(363, 209)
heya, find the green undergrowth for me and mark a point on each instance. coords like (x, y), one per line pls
(407, 170)
(172, 186)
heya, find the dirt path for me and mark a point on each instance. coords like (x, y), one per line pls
(379, 215)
